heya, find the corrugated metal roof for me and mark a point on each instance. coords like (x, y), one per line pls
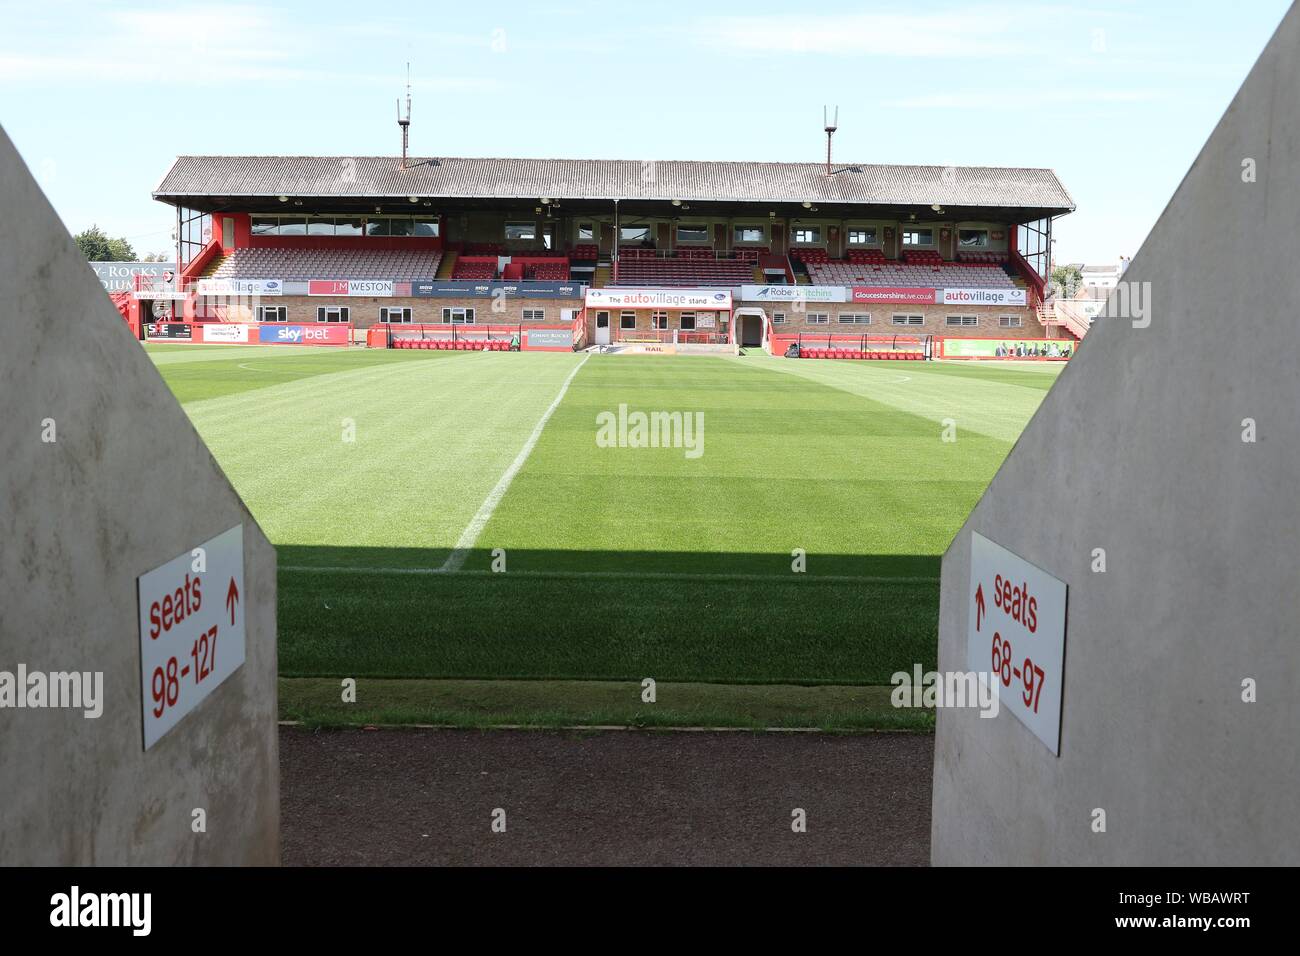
(468, 178)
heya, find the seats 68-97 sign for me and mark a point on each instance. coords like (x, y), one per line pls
(1017, 633)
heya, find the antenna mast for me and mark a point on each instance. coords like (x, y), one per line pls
(405, 124)
(830, 126)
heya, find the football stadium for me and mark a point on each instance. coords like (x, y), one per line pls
(420, 354)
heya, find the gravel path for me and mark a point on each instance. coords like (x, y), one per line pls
(420, 797)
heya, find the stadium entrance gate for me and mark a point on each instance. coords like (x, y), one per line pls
(750, 328)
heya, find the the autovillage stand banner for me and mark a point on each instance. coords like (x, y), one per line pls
(952, 347)
(658, 299)
(793, 293)
(898, 295)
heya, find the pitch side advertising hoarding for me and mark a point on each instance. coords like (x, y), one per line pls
(303, 334)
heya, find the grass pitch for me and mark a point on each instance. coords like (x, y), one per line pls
(365, 468)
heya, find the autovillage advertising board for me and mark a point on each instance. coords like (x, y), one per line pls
(1016, 633)
(793, 293)
(452, 288)
(120, 276)
(658, 299)
(983, 297)
(899, 295)
(241, 287)
(192, 634)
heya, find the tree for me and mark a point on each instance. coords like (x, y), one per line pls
(1066, 281)
(158, 257)
(97, 247)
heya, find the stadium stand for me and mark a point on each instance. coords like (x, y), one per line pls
(686, 271)
(299, 264)
(475, 267)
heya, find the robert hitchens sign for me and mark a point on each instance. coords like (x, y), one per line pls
(191, 629)
(1016, 632)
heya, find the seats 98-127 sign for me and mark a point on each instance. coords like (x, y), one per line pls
(1017, 633)
(191, 629)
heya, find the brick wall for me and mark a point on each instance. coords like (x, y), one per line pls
(934, 319)
(364, 310)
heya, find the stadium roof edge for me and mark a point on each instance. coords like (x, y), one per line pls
(496, 178)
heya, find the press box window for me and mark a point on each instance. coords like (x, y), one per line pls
(634, 233)
(332, 313)
(918, 237)
(534, 315)
(973, 238)
(523, 231)
(272, 313)
(586, 232)
(862, 237)
(855, 318)
(805, 234)
(395, 315)
(1010, 321)
(749, 234)
(692, 233)
(908, 320)
(964, 321)
(458, 316)
(627, 320)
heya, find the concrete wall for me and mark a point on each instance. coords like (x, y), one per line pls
(1138, 450)
(126, 486)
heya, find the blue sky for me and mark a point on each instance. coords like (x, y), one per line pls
(1116, 95)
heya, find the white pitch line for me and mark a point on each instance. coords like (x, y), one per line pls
(469, 536)
(621, 575)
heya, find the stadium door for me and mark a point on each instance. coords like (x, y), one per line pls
(749, 327)
(602, 328)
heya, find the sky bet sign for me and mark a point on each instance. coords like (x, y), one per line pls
(301, 335)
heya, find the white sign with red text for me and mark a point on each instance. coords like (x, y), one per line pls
(191, 629)
(1017, 633)
(224, 332)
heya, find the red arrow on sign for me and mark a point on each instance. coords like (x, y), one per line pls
(979, 605)
(232, 598)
